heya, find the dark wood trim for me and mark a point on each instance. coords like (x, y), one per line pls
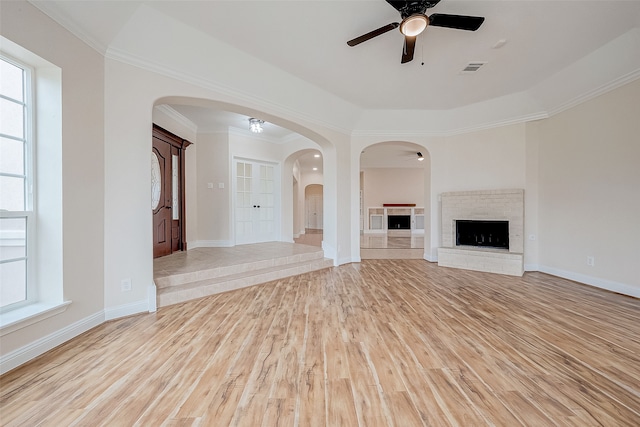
(166, 136)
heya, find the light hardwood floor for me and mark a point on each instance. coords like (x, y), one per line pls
(381, 343)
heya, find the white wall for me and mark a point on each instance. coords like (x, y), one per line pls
(82, 176)
(589, 191)
(392, 185)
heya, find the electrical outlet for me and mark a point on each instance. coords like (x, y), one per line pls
(125, 285)
(591, 261)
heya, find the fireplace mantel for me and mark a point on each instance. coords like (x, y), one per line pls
(500, 205)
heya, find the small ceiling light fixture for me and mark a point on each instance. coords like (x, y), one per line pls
(420, 156)
(315, 169)
(255, 125)
(413, 25)
(316, 155)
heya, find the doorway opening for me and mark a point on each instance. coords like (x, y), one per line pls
(167, 192)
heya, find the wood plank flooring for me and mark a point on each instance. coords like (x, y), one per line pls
(381, 343)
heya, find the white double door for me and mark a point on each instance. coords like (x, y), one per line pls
(256, 201)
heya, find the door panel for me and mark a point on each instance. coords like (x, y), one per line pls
(161, 173)
(255, 202)
(314, 209)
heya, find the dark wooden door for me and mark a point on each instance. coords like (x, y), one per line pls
(161, 198)
(167, 187)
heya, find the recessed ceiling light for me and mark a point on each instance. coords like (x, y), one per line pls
(316, 155)
(315, 169)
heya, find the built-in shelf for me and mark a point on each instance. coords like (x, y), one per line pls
(378, 218)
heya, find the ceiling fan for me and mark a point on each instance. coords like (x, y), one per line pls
(415, 21)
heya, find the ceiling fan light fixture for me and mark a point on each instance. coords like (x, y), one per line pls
(413, 25)
(255, 125)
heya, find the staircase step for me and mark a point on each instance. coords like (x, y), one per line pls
(254, 274)
(241, 267)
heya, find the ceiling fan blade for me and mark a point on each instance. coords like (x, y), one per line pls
(408, 49)
(460, 22)
(372, 34)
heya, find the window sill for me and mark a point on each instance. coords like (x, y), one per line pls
(25, 316)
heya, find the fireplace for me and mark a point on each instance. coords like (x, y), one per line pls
(494, 242)
(481, 233)
(399, 222)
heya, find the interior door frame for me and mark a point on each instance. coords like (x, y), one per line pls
(181, 145)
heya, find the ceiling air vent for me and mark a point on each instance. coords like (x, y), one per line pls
(472, 67)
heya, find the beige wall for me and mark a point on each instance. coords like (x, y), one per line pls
(82, 157)
(213, 226)
(491, 159)
(392, 185)
(589, 190)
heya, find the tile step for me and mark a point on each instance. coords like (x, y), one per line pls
(202, 288)
(228, 270)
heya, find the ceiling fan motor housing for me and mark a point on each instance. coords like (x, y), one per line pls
(414, 7)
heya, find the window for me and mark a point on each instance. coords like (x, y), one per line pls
(16, 183)
(31, 267)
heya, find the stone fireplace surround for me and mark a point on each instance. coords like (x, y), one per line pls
(504, 205)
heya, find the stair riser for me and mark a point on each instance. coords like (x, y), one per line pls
(180, 279)
(169, 298)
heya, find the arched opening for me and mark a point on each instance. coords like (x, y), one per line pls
(394, 200)
(212, 189)
(306, 167)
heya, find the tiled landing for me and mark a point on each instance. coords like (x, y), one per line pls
(389, 246)
(200, 272)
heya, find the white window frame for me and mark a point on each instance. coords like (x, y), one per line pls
(29, 186)
(46, 291)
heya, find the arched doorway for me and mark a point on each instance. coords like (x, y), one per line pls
(394, 200)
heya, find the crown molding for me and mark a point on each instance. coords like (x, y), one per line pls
(444, 133)
(174, 115)
(601, 90)
(50, 9)
(240, 97)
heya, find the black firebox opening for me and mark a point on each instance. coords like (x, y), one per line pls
(399, 222)
(493, 234)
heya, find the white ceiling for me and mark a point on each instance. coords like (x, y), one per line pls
(307, 39)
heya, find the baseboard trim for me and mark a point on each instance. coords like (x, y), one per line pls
(609, 285)
(30, 351)
(531, 267)
(430, 258)
(129, 309)
(210, 244)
